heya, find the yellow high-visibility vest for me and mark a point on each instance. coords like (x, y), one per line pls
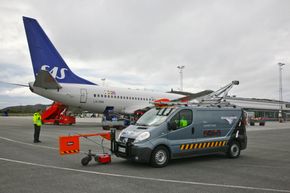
(183, 123)
(37, 119)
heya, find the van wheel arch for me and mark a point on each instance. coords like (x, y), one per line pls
(234, 149)
(163, 149)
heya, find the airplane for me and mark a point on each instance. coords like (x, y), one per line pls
(55, 80)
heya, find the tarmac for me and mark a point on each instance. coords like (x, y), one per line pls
(27, 167)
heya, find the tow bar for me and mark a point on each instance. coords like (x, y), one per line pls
(71, 145)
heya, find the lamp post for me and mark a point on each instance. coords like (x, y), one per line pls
(181, 76)
(280, 91)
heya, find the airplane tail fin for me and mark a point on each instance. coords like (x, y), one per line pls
(44, 55)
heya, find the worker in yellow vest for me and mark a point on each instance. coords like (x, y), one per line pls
(183, 122)
(37, 125)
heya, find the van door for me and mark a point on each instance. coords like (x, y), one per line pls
(84, 95)
(180, 133)
(211, 129)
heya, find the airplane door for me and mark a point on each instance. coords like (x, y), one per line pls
(84, 95)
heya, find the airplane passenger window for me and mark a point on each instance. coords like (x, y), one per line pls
(101, 95)
(94, 95)
(105, 96)
(98, 95)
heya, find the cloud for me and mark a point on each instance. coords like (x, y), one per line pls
(140, 43)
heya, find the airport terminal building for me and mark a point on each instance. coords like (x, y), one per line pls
(264, 108)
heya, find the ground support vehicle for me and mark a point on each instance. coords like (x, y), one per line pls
(71, 145)
(160, 134)
(113, 120)
(258, 120)
(252, 119)
(117, 124)
(57, 114)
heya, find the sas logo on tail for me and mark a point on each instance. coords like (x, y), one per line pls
(55, 72)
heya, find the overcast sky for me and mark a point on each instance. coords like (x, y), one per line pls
(138, 44)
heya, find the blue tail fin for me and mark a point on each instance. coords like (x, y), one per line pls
(44, 56)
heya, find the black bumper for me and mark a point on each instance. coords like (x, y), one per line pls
(134, 152)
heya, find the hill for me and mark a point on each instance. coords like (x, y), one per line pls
(26, 109)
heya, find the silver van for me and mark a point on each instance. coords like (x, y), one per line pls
(171, 132)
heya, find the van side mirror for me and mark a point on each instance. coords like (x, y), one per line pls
(171, 126)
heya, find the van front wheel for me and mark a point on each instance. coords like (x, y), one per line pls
(234, 150)
(160, 157)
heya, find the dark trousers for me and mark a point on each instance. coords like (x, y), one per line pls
(36, 132)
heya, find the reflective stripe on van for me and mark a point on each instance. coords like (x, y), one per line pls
(203, 145)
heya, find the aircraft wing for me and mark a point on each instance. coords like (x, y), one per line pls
(190, 96)
(45, 80)
(15, 84)
(132, 109)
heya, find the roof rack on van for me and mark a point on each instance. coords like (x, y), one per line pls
(220, 94)
(214, 99)
(200, 104)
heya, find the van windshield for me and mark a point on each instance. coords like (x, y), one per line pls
(154, 117)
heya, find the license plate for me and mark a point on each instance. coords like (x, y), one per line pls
(122, 149)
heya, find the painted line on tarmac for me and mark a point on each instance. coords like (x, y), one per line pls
(145, 178)
(54, 148)
(30, 144)
(35, 145)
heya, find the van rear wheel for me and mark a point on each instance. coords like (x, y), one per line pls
(234, 150)
(160, 157)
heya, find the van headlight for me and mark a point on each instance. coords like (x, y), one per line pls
(119, 136)
(142, 136)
